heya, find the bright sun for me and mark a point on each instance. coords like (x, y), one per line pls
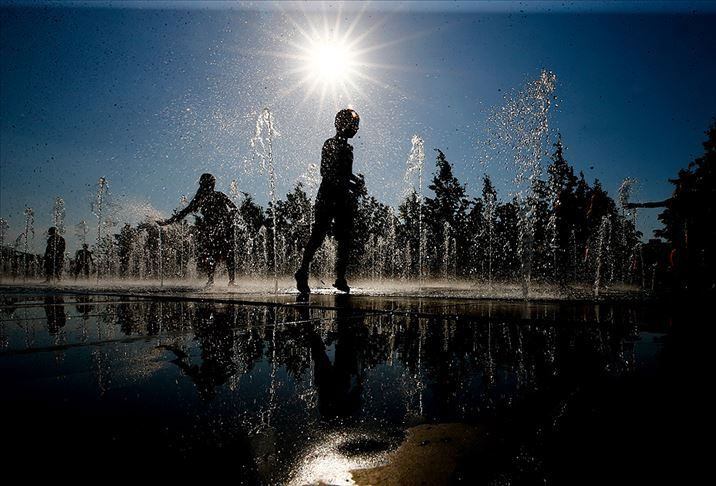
(330, 67)
(330, 62)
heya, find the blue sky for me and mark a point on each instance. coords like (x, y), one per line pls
(151, 95)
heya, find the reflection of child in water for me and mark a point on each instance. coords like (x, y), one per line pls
(340, 384)
(55, 313)
(216, 337)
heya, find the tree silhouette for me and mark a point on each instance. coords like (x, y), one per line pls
(689, 218)
(447, 211)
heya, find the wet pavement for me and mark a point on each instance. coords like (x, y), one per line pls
(278, 391)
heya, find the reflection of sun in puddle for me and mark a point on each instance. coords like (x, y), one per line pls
(327, 463)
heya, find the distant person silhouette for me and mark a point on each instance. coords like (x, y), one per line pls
(216, 226)
(54, 255)
(83, 261)
(334, 201)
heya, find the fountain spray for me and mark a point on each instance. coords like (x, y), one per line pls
(98, 205)
(490, 198)
(522, 126)
(416, 162)
(628, 215)
(4, 226)
(603, 251)
(262, 143)
(237, 223)
(58, 215)
(29, 229)
(161, 259)
(81, 231)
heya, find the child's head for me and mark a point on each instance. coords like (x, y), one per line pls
(347, 123)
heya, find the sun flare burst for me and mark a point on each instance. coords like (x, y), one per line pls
(329, 66)
(333, 59)
(330, 62)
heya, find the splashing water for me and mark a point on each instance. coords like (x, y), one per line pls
(415, 163)
(160, 256)
(234, 192)
(625, 191)
(58, 215)
(239, 225)
(262, 143)
(81, 231)
(603, 252)
(183, 201)
(626, 188)
(28, 236)
(447, 230)
(521, 128)
(97, 210)
(522, 125)
(4, 226)
(311, 178)
(490, 199)
(264, 247)
(391, 243)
